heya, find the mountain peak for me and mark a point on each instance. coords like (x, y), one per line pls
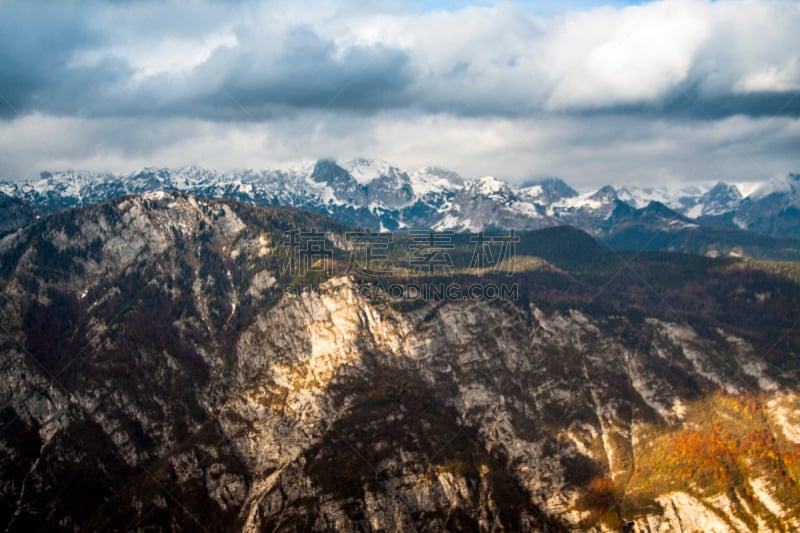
(373, 193)
(547, 190)
(723, 187)
(606, 193)
(365, 171)
(433, 180)
(487, 186)
(658, 208)
(444, 173)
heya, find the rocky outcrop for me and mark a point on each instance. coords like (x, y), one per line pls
(161, 356)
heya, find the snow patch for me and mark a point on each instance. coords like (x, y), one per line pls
(365, 171)
(430, 180)
(487, 186)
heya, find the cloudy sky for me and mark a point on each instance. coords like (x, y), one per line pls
(592, 92)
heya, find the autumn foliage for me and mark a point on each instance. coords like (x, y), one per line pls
(601, 491)
(718, 454)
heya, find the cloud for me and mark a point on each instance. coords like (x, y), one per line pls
(306, 71)
(607, 57)
(781, 78)
(35, 47)
(615, 150)
(503, 86)
(492, 61)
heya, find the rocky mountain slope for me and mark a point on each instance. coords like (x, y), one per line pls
(163, 354)
(14, 213)
(656, 227)
(773, 209)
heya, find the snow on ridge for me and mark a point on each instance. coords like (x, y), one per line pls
(66, 182)
(534, 192)
(487, 186)
(451, 222)
(640, 197)
(304, 168)
(434, 185)
(365, 171)
(526, 209)
(587, 200)
(155, 195)
(696, 210)
(428, 180)
(443, 173)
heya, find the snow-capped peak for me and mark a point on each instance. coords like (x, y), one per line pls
(640, 197)
(365, 171)
(605, 194)
(533, 192)
(428, 180)
(589, 201)
(487, 186)
(546, 191)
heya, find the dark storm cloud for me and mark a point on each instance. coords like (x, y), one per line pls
(695, 104)
(690, 104)
(304, 73)
(36, 74)
(36, 46)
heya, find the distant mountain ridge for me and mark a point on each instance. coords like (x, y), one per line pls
(380, 196)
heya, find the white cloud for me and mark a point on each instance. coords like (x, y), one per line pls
(772, 78)
(506, 58)
(637, 54)
(169, 55)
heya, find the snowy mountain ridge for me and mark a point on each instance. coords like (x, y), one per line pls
(378, 195)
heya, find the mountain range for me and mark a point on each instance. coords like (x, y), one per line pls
(379, 196)
(161, 354)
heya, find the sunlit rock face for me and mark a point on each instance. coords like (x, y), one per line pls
(157, 354)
